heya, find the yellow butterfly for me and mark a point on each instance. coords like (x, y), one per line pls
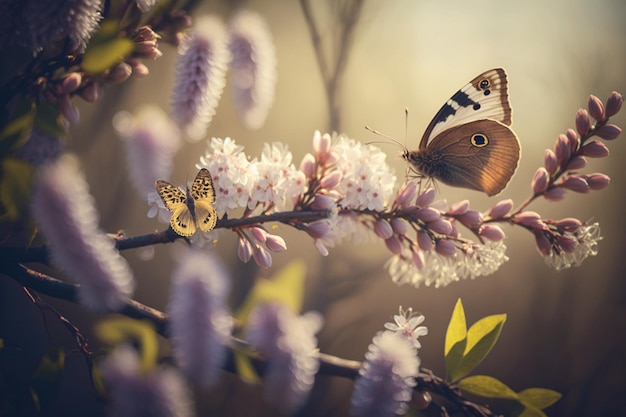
(193, 209)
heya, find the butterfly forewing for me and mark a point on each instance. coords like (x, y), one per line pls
(202, 188)
(172, 197)
(485, 97)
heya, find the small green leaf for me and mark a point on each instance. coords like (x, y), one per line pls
(481, 337)
(456, 339)
(244, 367)
(106, 48)
(15, 184)
(487, 386)
(16, 125)
(531, 411)
(539, 397)
(457, 328)
(47, 378)
(120, 330)
(285, 287)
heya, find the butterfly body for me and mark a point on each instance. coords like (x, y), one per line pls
(469, 142)
(192, 209)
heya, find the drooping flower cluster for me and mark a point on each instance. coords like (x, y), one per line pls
(387, 376)
(66, 213)
(204, 56)
(288, 343)
(134, 392)
(151, 141)
(200, 322)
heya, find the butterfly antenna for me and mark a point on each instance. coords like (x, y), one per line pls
(393, 141)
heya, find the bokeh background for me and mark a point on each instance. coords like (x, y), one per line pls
(564, 331)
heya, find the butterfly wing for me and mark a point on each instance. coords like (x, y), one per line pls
(203, 193)
(481, 155)
(175, 201)
(485, 97)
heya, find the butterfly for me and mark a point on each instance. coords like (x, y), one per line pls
(469, 143)
(193, 209)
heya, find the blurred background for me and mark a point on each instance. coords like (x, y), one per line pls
(564, 331)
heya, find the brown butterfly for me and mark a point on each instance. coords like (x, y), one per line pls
(469, 142)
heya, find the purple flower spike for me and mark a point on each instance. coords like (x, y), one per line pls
(583, 124)
(609, 131)
(540, 180)
(614, 103)
(596, 108)
(595, 149)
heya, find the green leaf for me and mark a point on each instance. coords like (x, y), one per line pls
(244, 368)
(457, 328)
(285, 287)
(121, 330)
(456, 339)
(539, 397)
(481, 337)
(15, 184)
(531, 411)
(487, 386)
(106, 49)
(47, 378)
(17, 125)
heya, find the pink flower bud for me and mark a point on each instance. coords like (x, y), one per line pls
(608, 131)
(71, 82)
(577, 162)
(583, 124)
(596, 108)
(427, 214)
(426, 197)
(459, 208)
(562, 149)
(331, 180)
(244, 250)
(406, 194)
(399, 226)
(492, 232)
(500, 209)
(568, 224)
(417, 256)
(445, 247)
(595, 149)
(530, 219)
(307, 166)
(540, 181)
(120, 73)
(323, 202)
(572, 139)
(321, 145)
(91, 92)
(139, 68)
(394, 245)
(261, 257)
(549, 161)
(318, 229)
(259, 234)
(543, 243)
(567, 243)
(614, 103)
(555, 194)
(576, 184)
(471, 218)
(424, 241)
(440, 226)
(275, 243)
(383, 229)
(597, 181)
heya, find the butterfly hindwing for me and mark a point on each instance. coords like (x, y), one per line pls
(485, 97)
(191, 210)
